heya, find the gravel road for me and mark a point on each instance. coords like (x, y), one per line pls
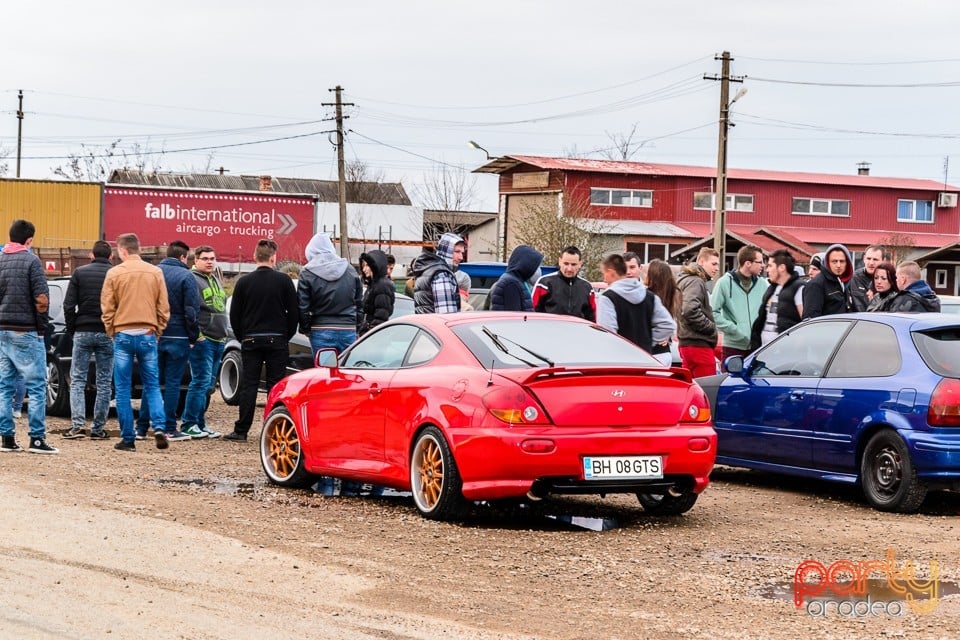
(192, 543)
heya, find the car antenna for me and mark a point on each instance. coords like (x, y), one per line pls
(490, 379)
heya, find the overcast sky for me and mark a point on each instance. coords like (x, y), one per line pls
(541, 77)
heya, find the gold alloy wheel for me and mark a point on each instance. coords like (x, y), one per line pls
(282, 447)
(429, 461)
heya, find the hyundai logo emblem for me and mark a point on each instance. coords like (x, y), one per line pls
(619, 393)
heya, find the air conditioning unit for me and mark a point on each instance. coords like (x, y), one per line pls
(947, 200)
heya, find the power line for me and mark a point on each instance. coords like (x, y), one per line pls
(390, 146)
(147, 152)
(859, 85)
(537, 102)
(852, 63)
(773, 122)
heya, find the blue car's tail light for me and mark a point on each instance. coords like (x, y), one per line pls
(944, 410)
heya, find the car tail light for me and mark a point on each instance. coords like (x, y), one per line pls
(698, 409)
(944, 410)
(514, 405)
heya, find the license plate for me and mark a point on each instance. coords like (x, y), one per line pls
(622, 467)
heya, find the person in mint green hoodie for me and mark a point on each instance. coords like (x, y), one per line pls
(736, 301)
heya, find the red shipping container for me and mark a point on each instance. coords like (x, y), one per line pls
(231, 222)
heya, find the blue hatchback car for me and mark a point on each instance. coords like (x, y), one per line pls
(865, 398)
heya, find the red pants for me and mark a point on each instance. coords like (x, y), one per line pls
(701, 361)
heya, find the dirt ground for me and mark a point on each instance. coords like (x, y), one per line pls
(192, 543)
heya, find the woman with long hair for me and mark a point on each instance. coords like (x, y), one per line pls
(659, 279)
(885, 287)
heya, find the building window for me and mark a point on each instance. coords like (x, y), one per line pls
(820, 207)
(941, 279)
(735, 201)
(621, 197)
(915, 211)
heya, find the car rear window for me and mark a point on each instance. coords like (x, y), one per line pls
(940, 350)
(525, 342)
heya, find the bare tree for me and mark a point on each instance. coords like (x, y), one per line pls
(549, 231)
(624, 147)
(898, 245)
(95, 164)
(448, 188)
(364, 184)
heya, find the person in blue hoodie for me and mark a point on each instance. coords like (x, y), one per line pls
(827, 293)
(330, 297)
(628, 309)
(509, 292)
(915, 294)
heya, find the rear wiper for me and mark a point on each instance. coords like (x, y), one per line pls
(499, 340)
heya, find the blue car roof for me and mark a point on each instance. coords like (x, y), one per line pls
(904, 321)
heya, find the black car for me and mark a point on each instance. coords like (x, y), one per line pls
(301, 356)
(60, 358)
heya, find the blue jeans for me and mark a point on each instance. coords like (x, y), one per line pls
(337, 338)
(204, 363)
(144, 349)
(172, 354)
(22, 353)
(87, 344)
(19, 391)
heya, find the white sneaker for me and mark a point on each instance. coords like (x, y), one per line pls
(211, 433)
(18, 414)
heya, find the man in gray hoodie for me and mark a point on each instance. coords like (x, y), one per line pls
(627, 308)
(330, 297)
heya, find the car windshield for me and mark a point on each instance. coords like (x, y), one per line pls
(940, 349)
(514, 343)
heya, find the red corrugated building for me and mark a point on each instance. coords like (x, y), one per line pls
(666, 211)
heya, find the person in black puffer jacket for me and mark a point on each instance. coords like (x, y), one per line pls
(509, 292)
(915, 294)
(24, 309)
(380, 295)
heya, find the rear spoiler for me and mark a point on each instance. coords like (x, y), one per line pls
(677, 373)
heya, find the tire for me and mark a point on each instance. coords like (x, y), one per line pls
(434, 478)
(58, 389)
(231, 369)
(665, 504)
(280, 452)
(887, 475)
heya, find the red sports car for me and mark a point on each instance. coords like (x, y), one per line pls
(493, 405)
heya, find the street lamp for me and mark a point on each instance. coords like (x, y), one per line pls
(497, 242)
(474, 145)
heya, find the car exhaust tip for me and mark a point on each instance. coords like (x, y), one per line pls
(537, 492)
(675, 491)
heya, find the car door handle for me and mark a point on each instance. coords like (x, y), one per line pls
(797, 395)
(375, 390)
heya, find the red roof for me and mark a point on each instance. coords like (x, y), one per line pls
(644, 168)
(803, 238)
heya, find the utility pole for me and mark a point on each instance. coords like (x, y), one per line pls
(341, 171)
(19, 130)
(720, 223)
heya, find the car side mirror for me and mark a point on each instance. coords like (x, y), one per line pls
(326, 358)
(734, 366)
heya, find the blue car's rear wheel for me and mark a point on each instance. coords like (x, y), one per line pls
(887, 474)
